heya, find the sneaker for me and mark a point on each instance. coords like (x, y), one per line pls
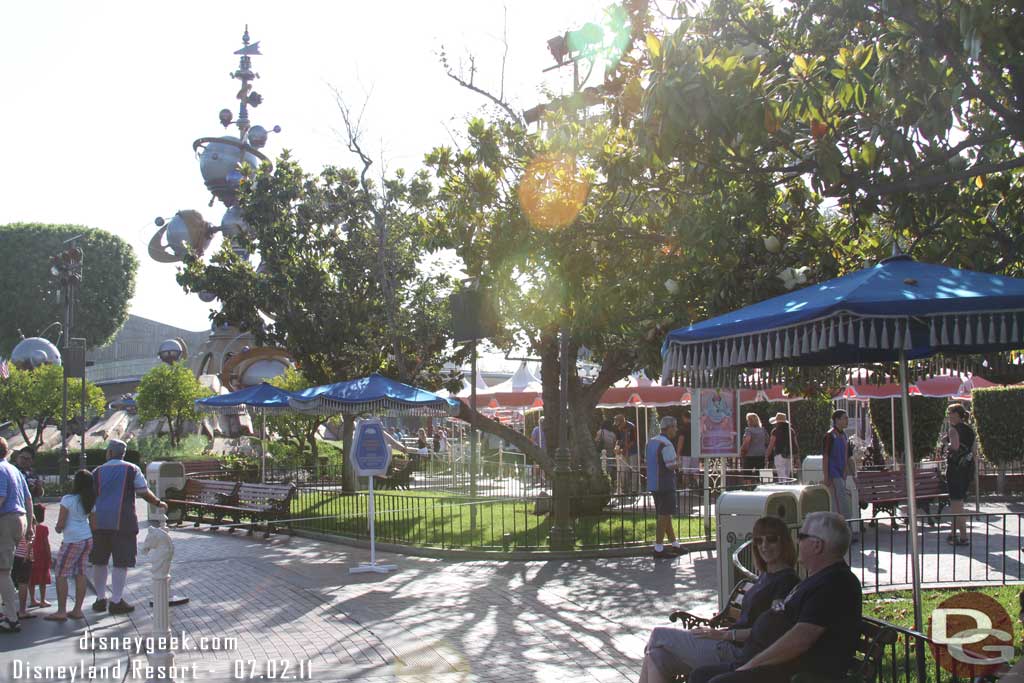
(121, 607)
(99, 606)
(8, 626)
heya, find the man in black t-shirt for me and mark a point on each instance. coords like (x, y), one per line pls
(816, 628)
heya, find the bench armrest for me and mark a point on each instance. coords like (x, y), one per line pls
(690, 620)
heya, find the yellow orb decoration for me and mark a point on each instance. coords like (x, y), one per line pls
(552, 191)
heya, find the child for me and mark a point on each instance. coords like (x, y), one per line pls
(40, 559)
(75, 523)
(21, 573)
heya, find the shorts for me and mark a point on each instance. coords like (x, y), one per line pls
(72, 558)
(22, 570)
(121, 545)
(666, 503)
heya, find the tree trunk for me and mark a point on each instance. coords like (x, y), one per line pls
(315, 453)
(1000, 479)
(348, 476)
(173, 429)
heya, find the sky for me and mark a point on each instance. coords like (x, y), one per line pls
(104, 99)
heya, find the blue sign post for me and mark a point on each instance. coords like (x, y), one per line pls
(371, 454)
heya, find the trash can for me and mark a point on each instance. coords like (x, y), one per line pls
(161, 476)
(809, 497)
(812, 472)
(736, 512)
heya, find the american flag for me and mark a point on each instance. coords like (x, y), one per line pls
(4, 371)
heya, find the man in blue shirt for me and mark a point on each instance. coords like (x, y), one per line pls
(836, 453)
(16, 522)
(661, 482)
(117, 483)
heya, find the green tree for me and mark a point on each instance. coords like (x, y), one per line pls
(909, 116)
(295, 428)
(1000, 429)
(31, 301)
(169, 392)
(36, 396)
(338, 283)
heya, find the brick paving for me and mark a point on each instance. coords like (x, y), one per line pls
(442, 621)
(292, 599)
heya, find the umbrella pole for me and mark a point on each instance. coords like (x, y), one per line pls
(263, 450)
(892, 427)
(911, 504)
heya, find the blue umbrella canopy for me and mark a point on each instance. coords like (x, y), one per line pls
(899, 306)
(261, 398)
(373, 394)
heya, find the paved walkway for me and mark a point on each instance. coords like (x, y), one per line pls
(293, 599)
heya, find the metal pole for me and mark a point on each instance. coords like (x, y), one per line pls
(473, 454)
(892, 418)
(82, 455)
(64, 394)
(263, 450)
(561, 531)
(911, 502)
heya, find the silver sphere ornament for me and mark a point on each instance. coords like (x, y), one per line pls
(187, 231)
(206, 297)
(34, 352)
(170, 351)
(258, 136)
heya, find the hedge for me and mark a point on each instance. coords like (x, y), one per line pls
(999, 417)
(48, 462)
(927, 415)
(810, 418)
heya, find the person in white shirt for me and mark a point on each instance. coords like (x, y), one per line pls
(75, 523)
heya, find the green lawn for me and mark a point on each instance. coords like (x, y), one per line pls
(896, 607)
(437, 519)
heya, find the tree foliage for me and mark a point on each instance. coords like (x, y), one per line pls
(30, 300)
(296, 429)
(997, 414)
(909, 115)
(169, 392)
(927, 415)
(36, 396)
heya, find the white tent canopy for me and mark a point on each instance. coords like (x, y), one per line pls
(522, 382)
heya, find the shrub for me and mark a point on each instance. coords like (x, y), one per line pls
(810, 418)
(154, 448)
(48, 462)
(926, 418)
(997, 414)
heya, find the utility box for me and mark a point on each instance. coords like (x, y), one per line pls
(809, 497)
(161, 476)
(812, 472)
(736, 512)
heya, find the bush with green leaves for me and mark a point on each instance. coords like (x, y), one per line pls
(169, 392)
(811, 418)
(161, 448)
(927, 415)
(997, 414)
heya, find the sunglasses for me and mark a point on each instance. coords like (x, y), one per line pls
(768, 539)
(800, 536)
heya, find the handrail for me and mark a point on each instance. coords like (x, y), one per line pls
(745, 548)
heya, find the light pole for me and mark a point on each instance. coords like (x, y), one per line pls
(66, 267)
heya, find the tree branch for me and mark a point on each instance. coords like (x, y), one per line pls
(469, 85)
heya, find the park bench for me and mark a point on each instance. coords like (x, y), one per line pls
(399, 475)
(875, 634)
(886, 490)
(200, 497)
(203, 469)
(261, 503)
